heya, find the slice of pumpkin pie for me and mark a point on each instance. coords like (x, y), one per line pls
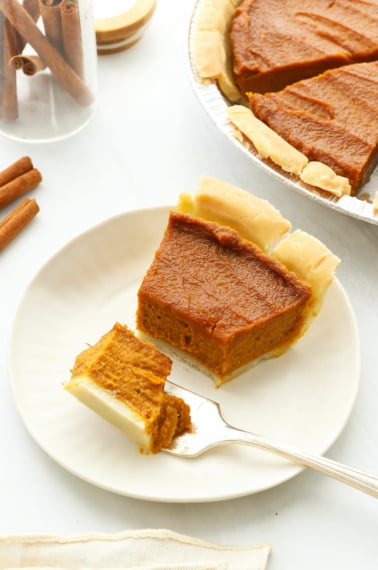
(221, 299)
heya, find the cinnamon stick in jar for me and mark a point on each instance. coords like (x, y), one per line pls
(61, 20)
(50, 13)
(8, 80)
(29, 64)
(12, 224)
(71, 34)
(67, 77)
(32, 7)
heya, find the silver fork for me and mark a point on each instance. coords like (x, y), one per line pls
(210, 430)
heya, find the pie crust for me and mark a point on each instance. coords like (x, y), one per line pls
(267, 142)
(255, 219)
(212, 52)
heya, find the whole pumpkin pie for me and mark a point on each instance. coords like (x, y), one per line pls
(122, 379)
(278, 42)
(219, 298)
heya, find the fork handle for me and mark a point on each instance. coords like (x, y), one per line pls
(362, 481)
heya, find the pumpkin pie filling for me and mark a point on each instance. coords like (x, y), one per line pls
(331, 118)
(276, 43)
(218, 297)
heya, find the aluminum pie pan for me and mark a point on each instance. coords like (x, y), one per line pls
(215, 104)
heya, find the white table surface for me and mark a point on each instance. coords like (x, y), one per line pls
(149, 140)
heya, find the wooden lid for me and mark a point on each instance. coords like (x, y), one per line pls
(121, 31)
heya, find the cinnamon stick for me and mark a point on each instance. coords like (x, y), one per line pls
(17, 179)
(29, 64)
(32, 7)
(24, 24)
(50, 13)
(15, 169)
(19, 186)
(71, 34)
(8, 84)
(12, 224)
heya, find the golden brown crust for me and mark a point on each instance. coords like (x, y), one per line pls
(319, 174)
(267, 143)
(212, 53)
(311, 261)
(253, 218)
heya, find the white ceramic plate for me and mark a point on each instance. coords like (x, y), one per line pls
(215, 104)
(303, 398)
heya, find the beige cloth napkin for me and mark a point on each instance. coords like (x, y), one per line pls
(134, 550)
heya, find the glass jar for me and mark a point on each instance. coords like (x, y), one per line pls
(48, 68)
